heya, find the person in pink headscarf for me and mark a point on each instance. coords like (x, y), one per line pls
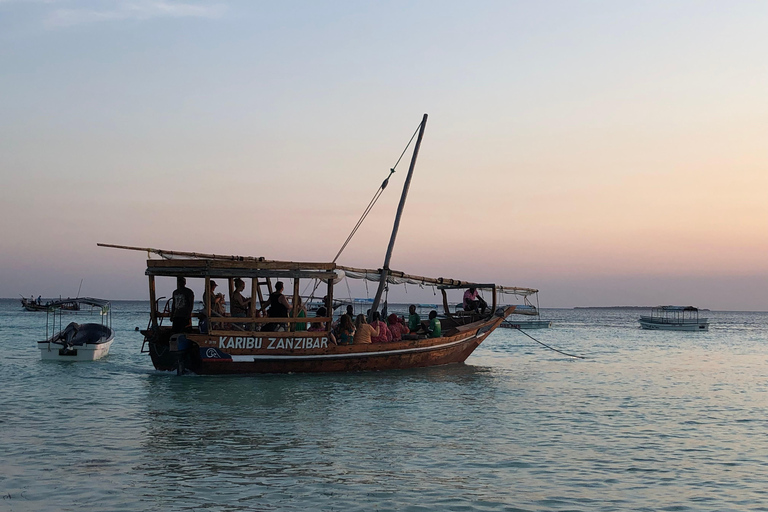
(397, 327)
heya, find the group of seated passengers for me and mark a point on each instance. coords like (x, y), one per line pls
(360, 332)
(345, 331)
(277, 306)
(433, 329)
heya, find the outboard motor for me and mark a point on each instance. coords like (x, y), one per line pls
(181, 345)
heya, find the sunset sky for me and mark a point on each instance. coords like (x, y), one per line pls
(606, 153)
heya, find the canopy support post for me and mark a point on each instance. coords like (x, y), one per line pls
(152, 305)
(295, 308)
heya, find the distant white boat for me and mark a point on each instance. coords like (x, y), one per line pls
(78, 342)
(529, 310)
(526, 324)
(674, 318)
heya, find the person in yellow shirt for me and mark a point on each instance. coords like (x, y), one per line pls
(364, 331)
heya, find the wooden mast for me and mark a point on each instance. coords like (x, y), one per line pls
(406, 185)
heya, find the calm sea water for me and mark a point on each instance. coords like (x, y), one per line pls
(650, 421)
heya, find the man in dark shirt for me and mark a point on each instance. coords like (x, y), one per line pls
(183, 301)
(278, 308)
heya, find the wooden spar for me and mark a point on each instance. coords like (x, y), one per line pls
(400, 207)
(169, 254)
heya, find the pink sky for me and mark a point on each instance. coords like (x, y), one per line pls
(607, 154)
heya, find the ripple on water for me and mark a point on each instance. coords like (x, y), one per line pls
(652, 421)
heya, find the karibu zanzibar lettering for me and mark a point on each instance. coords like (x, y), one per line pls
(247, 342)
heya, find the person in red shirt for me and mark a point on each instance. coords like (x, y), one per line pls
(397, 327)
(384, 335)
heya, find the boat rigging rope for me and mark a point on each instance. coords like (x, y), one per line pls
(368, 209)
(349, 291)
(375, 197)
(550, 348)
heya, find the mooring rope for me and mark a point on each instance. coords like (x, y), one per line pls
(550, 348)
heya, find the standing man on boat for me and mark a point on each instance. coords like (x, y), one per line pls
(278, 307)
(183, 300)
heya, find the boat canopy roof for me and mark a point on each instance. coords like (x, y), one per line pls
(192, 267)
(83, 301)
(194, 264)
(260, 267)
(677, 308)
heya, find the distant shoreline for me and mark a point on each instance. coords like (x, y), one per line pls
(624, 307)
(439, 306)
(614, 307)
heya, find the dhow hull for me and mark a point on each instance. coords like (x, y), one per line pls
(653, 326)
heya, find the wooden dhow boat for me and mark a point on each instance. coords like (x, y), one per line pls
(217, 344)
(45, 304)
(231, 345)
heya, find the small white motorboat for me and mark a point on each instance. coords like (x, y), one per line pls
(674, 318)
(78, 341)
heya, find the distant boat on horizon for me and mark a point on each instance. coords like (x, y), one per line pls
(41, 304)
(674, 318)
(622, 307)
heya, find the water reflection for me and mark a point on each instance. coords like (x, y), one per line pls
(251, 436)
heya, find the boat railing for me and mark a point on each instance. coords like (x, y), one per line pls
(267, 320)
(673, 320)
(219, 323)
